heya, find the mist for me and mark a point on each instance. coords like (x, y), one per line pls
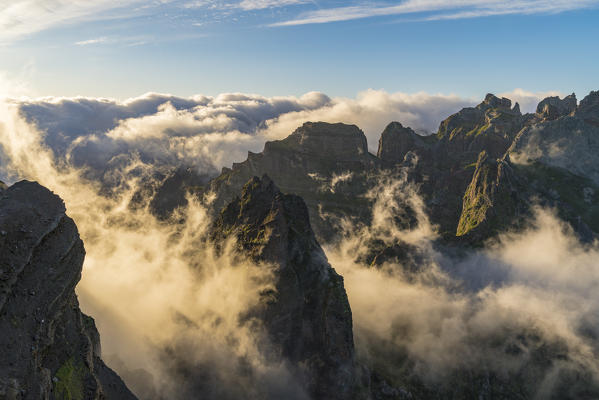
(525, 295)
(164, 301)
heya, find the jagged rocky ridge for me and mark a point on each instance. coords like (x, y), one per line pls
(49, 349)
(479, 174)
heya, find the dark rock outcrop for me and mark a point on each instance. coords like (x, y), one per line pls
(553, 107)
(588, 109)
(396, 141)
(493, 102)
(308, 318)
(49, 349)
(339, 141)
(490, 126)
(328, 165)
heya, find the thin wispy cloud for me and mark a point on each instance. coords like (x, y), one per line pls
(91, 41)
(262, 4)
(439, 9)
(245, 5)
(20, 18)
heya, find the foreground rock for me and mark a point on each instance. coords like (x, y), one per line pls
(49, 349)
(308, 318)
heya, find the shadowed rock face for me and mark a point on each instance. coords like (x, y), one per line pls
(48, 347)
(490, 126)
(308, 318)
(339, 141)
(396, 141)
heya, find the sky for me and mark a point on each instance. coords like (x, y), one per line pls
(124, 48)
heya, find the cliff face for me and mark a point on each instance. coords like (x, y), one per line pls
(308, 318)
(328, 165)
(49, 349)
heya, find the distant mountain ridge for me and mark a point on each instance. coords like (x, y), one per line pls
(328, 165)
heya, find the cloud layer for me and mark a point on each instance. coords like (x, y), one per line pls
(213, 132)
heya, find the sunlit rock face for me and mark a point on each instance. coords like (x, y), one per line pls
(48, 347)
(307, 316)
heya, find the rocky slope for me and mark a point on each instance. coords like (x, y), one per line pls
(49, 349)
(488, 164)
(308, 317)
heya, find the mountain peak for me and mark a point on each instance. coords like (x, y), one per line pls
(335, 140)
(553, 107)
(309, 318)
(516, 108)
(492, 101)
(588, 109)
(396, 140)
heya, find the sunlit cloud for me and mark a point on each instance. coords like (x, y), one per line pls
(246, 5)
(262, 4)
(213, 132)
(91, 41)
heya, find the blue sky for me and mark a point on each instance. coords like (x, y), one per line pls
(289, 47)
